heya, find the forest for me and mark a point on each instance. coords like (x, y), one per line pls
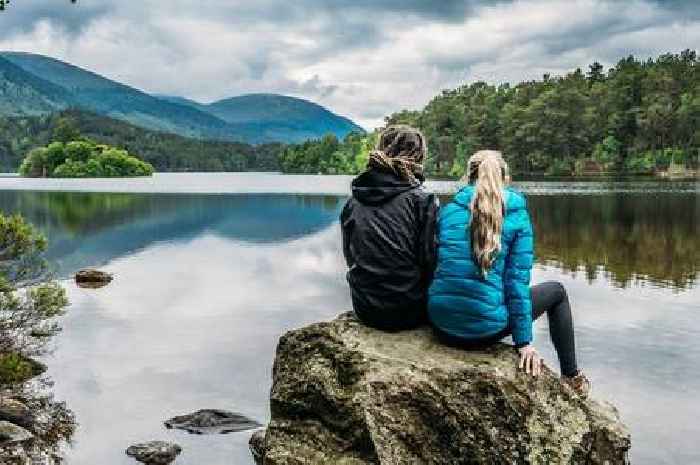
(638, 117)
(165, 151)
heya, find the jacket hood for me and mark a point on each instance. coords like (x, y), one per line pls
(514, 200)
(375, 187)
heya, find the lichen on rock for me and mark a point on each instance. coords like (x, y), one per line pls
(346, 394)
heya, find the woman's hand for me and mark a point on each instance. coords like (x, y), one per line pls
(530, 360)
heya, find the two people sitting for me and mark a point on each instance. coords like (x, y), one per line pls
(464, 268)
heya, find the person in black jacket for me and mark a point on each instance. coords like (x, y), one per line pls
(389, 234)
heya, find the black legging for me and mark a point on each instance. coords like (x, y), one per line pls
(551, 298)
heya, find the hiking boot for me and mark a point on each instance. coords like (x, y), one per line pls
(579, 383)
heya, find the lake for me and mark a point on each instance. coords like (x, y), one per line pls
(211, 269)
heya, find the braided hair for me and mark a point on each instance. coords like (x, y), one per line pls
(401, 150)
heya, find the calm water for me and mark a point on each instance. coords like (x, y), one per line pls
(205, 284)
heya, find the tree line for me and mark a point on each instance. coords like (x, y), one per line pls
(165, 151)
(637, 117)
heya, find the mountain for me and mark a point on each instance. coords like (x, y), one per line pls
(22, 93)
(106, 97)
(33, 84)
(279, 117)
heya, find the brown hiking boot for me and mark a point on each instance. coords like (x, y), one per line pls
(579, 383)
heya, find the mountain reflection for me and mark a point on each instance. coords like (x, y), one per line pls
(648, 237)
(92, 229)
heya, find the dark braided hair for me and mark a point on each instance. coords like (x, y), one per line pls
(401, 150)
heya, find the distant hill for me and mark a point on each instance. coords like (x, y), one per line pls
(274, 117)
(36, 84)
(278, 117)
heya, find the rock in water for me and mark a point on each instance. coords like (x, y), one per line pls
(212, 421)
(92, 278)
(154, 452)
(346, 394)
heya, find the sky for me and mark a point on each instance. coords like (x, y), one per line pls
(364, 59)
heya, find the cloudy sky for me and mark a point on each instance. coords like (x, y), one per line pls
(361, 58)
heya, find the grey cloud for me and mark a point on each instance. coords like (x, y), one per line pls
(691, 7)
(315, 86)
(21, 16)
(362, 58)
(584, 35)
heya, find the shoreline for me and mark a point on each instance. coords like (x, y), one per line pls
(263, 183)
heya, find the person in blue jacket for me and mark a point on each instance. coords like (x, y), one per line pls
(481, 288)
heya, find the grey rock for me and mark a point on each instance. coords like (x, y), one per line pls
(11, 433)
(212, 421)
(346, 394)
(154, 452)
(257, 446)
(15, 412)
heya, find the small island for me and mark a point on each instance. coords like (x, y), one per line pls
(82, 158)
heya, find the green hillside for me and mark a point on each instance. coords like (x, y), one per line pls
(22, 93)
(279, 117)
(274, 117)
(106, 97)
(166, 152)
(40, 85)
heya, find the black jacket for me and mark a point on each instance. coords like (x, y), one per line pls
(389, 242)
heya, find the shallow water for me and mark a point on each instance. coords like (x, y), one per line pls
(205, 284)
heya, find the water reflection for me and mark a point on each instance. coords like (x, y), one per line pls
(186, 326)
(93, 229)
(205, 285)
(631, 238)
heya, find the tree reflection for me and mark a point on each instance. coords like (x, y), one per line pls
(650, 238)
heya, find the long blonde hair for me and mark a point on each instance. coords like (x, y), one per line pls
(488, 171)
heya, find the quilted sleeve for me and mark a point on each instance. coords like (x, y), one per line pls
(517, 280)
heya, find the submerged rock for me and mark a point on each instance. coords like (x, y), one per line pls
(344, 393)
(92, 278)
(11, 433)
(212, 421)
(154, 452)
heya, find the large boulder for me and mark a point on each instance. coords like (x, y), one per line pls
(346, 394)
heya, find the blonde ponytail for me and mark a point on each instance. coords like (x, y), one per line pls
(488, 171)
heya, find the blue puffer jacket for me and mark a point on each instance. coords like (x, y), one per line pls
(464, 304)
